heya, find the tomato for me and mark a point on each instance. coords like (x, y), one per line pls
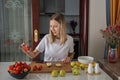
(16, 72)
(34, 68)
(39, 67)
(27, 48)
(18, 68)
(11, 67)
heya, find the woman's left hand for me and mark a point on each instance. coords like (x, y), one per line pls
(67, 59)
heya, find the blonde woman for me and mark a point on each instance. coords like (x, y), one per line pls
(57, 45)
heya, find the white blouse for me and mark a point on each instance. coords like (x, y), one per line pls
(55, 51)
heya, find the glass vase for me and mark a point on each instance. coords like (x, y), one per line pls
(112, 55)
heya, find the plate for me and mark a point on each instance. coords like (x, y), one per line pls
(85, 59)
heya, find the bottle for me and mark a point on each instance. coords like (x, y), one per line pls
(90, 68)
(97, 68)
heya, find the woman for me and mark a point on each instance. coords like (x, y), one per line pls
(57, 45)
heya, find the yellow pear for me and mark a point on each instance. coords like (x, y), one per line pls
(75, 67)
(76, 71)
(62, 73)
(54, 73)
(77, 63)
(49, 64)
(82, 66)
(72, 63)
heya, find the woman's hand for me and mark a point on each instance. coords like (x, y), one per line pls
(67, 59)
(25, 48)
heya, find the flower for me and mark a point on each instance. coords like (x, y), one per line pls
(112, 35)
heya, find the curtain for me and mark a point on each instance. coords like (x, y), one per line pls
(15, 28)
(108, 23)
(115, 15)
(114, 12)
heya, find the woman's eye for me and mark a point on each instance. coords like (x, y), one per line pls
(50, 26)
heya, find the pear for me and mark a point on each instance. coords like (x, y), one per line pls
(76, 71)
(54, 73)
(58, 64)
(62, 73)
(72, 63)
(75, 67)
(82, 66)
(77, 63)
(49, 64)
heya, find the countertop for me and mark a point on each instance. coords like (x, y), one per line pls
(113, 69)
(4, 75)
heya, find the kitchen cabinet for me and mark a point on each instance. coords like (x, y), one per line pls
(67, 7)
(71, 7)
(52, 6)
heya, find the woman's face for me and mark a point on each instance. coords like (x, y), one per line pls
(55, 28)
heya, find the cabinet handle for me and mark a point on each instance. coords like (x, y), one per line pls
(36, 35)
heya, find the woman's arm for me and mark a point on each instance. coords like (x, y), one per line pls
(31, 54)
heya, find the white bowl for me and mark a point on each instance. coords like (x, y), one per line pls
(85, 59)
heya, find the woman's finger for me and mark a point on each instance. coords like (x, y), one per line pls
(67, 59)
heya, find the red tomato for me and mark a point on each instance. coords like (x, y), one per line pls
(11, 67)
(18, 68)
(16, 72)
(27, 48)
(24, 63)
(39, 67)
(34, 68)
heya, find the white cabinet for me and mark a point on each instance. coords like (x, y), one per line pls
(71, 7)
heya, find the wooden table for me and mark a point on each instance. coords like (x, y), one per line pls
(113, 69)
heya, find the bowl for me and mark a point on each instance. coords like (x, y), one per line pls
(85, 59)
(19, 69)
(19, 76)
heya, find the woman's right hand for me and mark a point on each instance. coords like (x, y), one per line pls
(24, 47)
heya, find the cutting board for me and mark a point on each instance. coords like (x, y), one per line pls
(46, 69)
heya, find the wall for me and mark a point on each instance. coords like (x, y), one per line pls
(97, 21)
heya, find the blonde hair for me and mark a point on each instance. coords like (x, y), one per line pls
(61, 20)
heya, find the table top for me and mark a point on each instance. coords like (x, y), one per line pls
(113, 69)
(4, 75)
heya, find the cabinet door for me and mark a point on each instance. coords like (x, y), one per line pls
(52, 6)
(72, 7)
(35, 22)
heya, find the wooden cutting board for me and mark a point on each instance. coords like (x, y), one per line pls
(46, 69)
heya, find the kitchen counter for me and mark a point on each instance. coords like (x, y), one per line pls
(4, 75)
(113, 69)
